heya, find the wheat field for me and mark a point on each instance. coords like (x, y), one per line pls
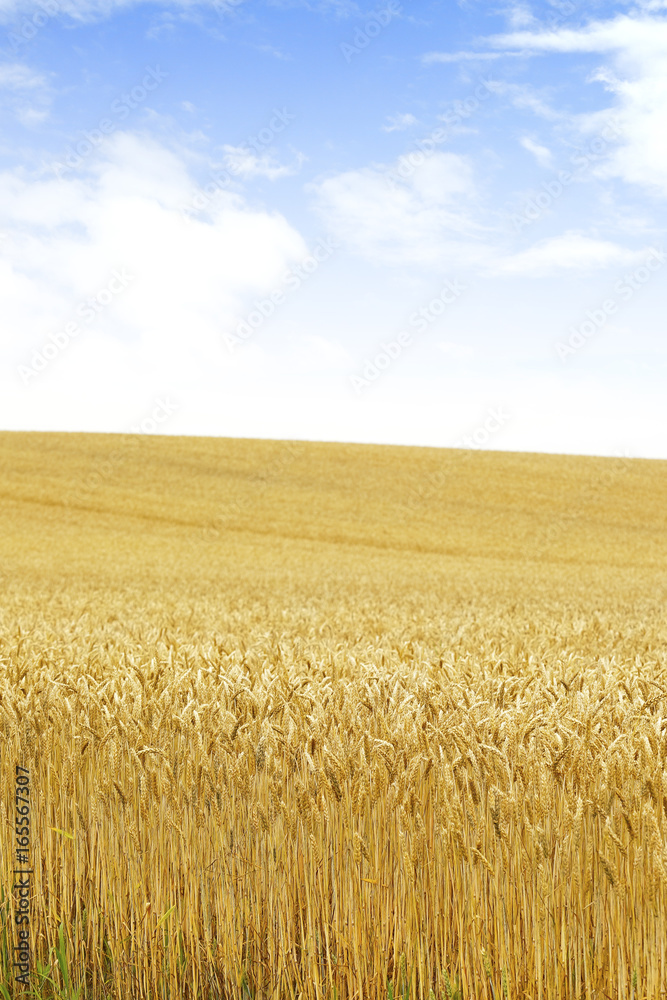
(333, 721)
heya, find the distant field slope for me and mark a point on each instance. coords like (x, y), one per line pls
(331, 721)
(592, 511)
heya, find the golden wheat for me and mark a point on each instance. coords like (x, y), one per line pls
(367, 734)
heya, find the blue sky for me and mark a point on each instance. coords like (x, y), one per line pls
(431, 223)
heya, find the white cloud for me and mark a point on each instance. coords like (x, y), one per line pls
(637, 79)
(525, 98)
(399, 123)
(30, 116)
(242, 162)
(77, 9)
(621, 34)
(543, 155)
(429, 219)
(451, 57)
(86, 10)
(520, 15)
(570, 252)
(16, 77)
(190, 280)
(25, 93)
(276, 53)
(405, 214)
